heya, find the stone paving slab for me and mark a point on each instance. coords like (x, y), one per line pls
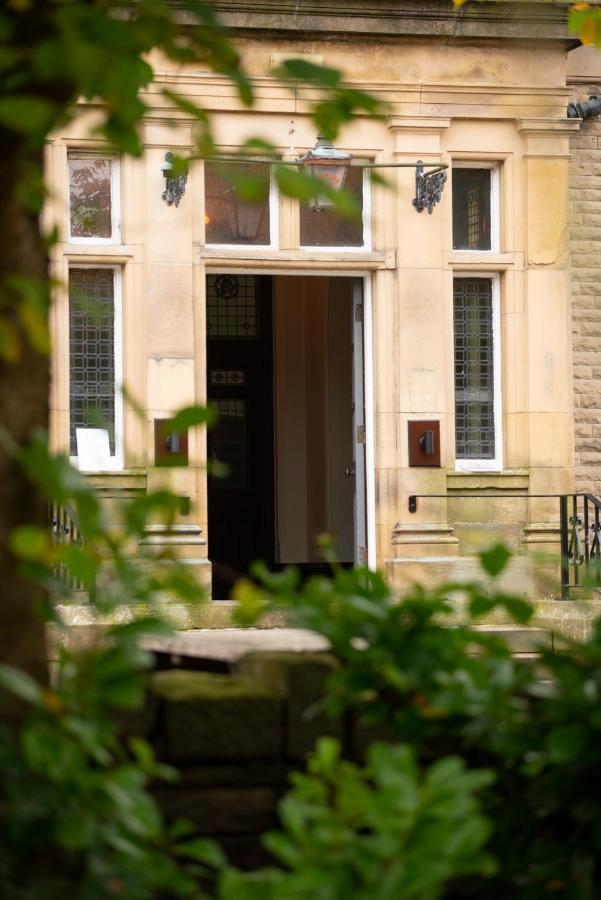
(231, 644)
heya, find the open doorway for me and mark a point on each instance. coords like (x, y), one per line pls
(285, 372)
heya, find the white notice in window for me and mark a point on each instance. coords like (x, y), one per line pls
(93, 449)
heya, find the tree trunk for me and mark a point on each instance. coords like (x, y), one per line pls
(24, 388)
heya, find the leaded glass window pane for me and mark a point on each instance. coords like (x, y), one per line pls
(474, 368)
(237, 203)
(91, 352)
(227, 443)
(326, 227)
(471, 209)
(90, 196)
(232, 307)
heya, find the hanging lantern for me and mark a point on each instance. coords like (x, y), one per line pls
(328, 165)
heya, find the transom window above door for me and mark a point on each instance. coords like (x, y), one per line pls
(240, 205)
(327, 227)
(242, 208)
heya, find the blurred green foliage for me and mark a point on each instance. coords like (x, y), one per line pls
(421, 677)
(382, 831)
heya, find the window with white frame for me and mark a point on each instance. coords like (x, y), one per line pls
(478, 440)
(328, 228)
(475, 206)
(93, 198)
(240, 204)
(95, 375)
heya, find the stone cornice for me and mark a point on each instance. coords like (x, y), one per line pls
(547, 127)
(513, 20)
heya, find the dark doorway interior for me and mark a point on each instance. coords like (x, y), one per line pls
(240, 447)
(281, 372)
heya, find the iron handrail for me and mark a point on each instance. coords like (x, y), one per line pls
(580, 532)
(64, 526)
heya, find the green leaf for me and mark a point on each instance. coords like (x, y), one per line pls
(251, 602)
(518, 609)
(303, 70)
(481, 604)
(145, 625)
(30, 542)
(494, 560)
(204, 851)
(191, 416)
(81, 561)
(326, 755)
(20, 684)
(29, 115)
(566, 742)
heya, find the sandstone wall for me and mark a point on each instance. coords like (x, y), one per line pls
(585, 245)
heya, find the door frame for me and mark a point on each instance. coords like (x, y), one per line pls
(368, 372)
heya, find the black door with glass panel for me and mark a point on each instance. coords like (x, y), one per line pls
(240, 446)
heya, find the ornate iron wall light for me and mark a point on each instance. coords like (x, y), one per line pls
(331, 166)
(175, 180)
(428, 187)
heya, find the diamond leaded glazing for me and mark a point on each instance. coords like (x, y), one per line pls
(474, 368)
(232, 307)
(92, 352)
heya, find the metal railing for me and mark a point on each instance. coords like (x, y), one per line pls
(579, 532)
(580, 526)
(64, 528)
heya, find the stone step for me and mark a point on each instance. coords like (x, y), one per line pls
(520, 639)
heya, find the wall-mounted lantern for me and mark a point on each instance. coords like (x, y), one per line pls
(428, 187)
(175, 180)
(328, 165)
(331, 166)
(325, 163)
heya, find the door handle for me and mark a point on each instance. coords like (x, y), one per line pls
(349, 472)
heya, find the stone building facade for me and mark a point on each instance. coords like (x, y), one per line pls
(584, 81)
(354, 366)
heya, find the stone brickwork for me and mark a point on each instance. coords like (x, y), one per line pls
(235, 738)
(585, 243)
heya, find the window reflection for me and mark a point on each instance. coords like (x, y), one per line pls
(327, 228)
(90, 202)
(238, 212)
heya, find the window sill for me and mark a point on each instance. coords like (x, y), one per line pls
(483, 260)
(506, 480)
(98, 252)
(123, 480)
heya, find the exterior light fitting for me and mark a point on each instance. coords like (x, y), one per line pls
(428, 187)
(175, 184)
(328, 165)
